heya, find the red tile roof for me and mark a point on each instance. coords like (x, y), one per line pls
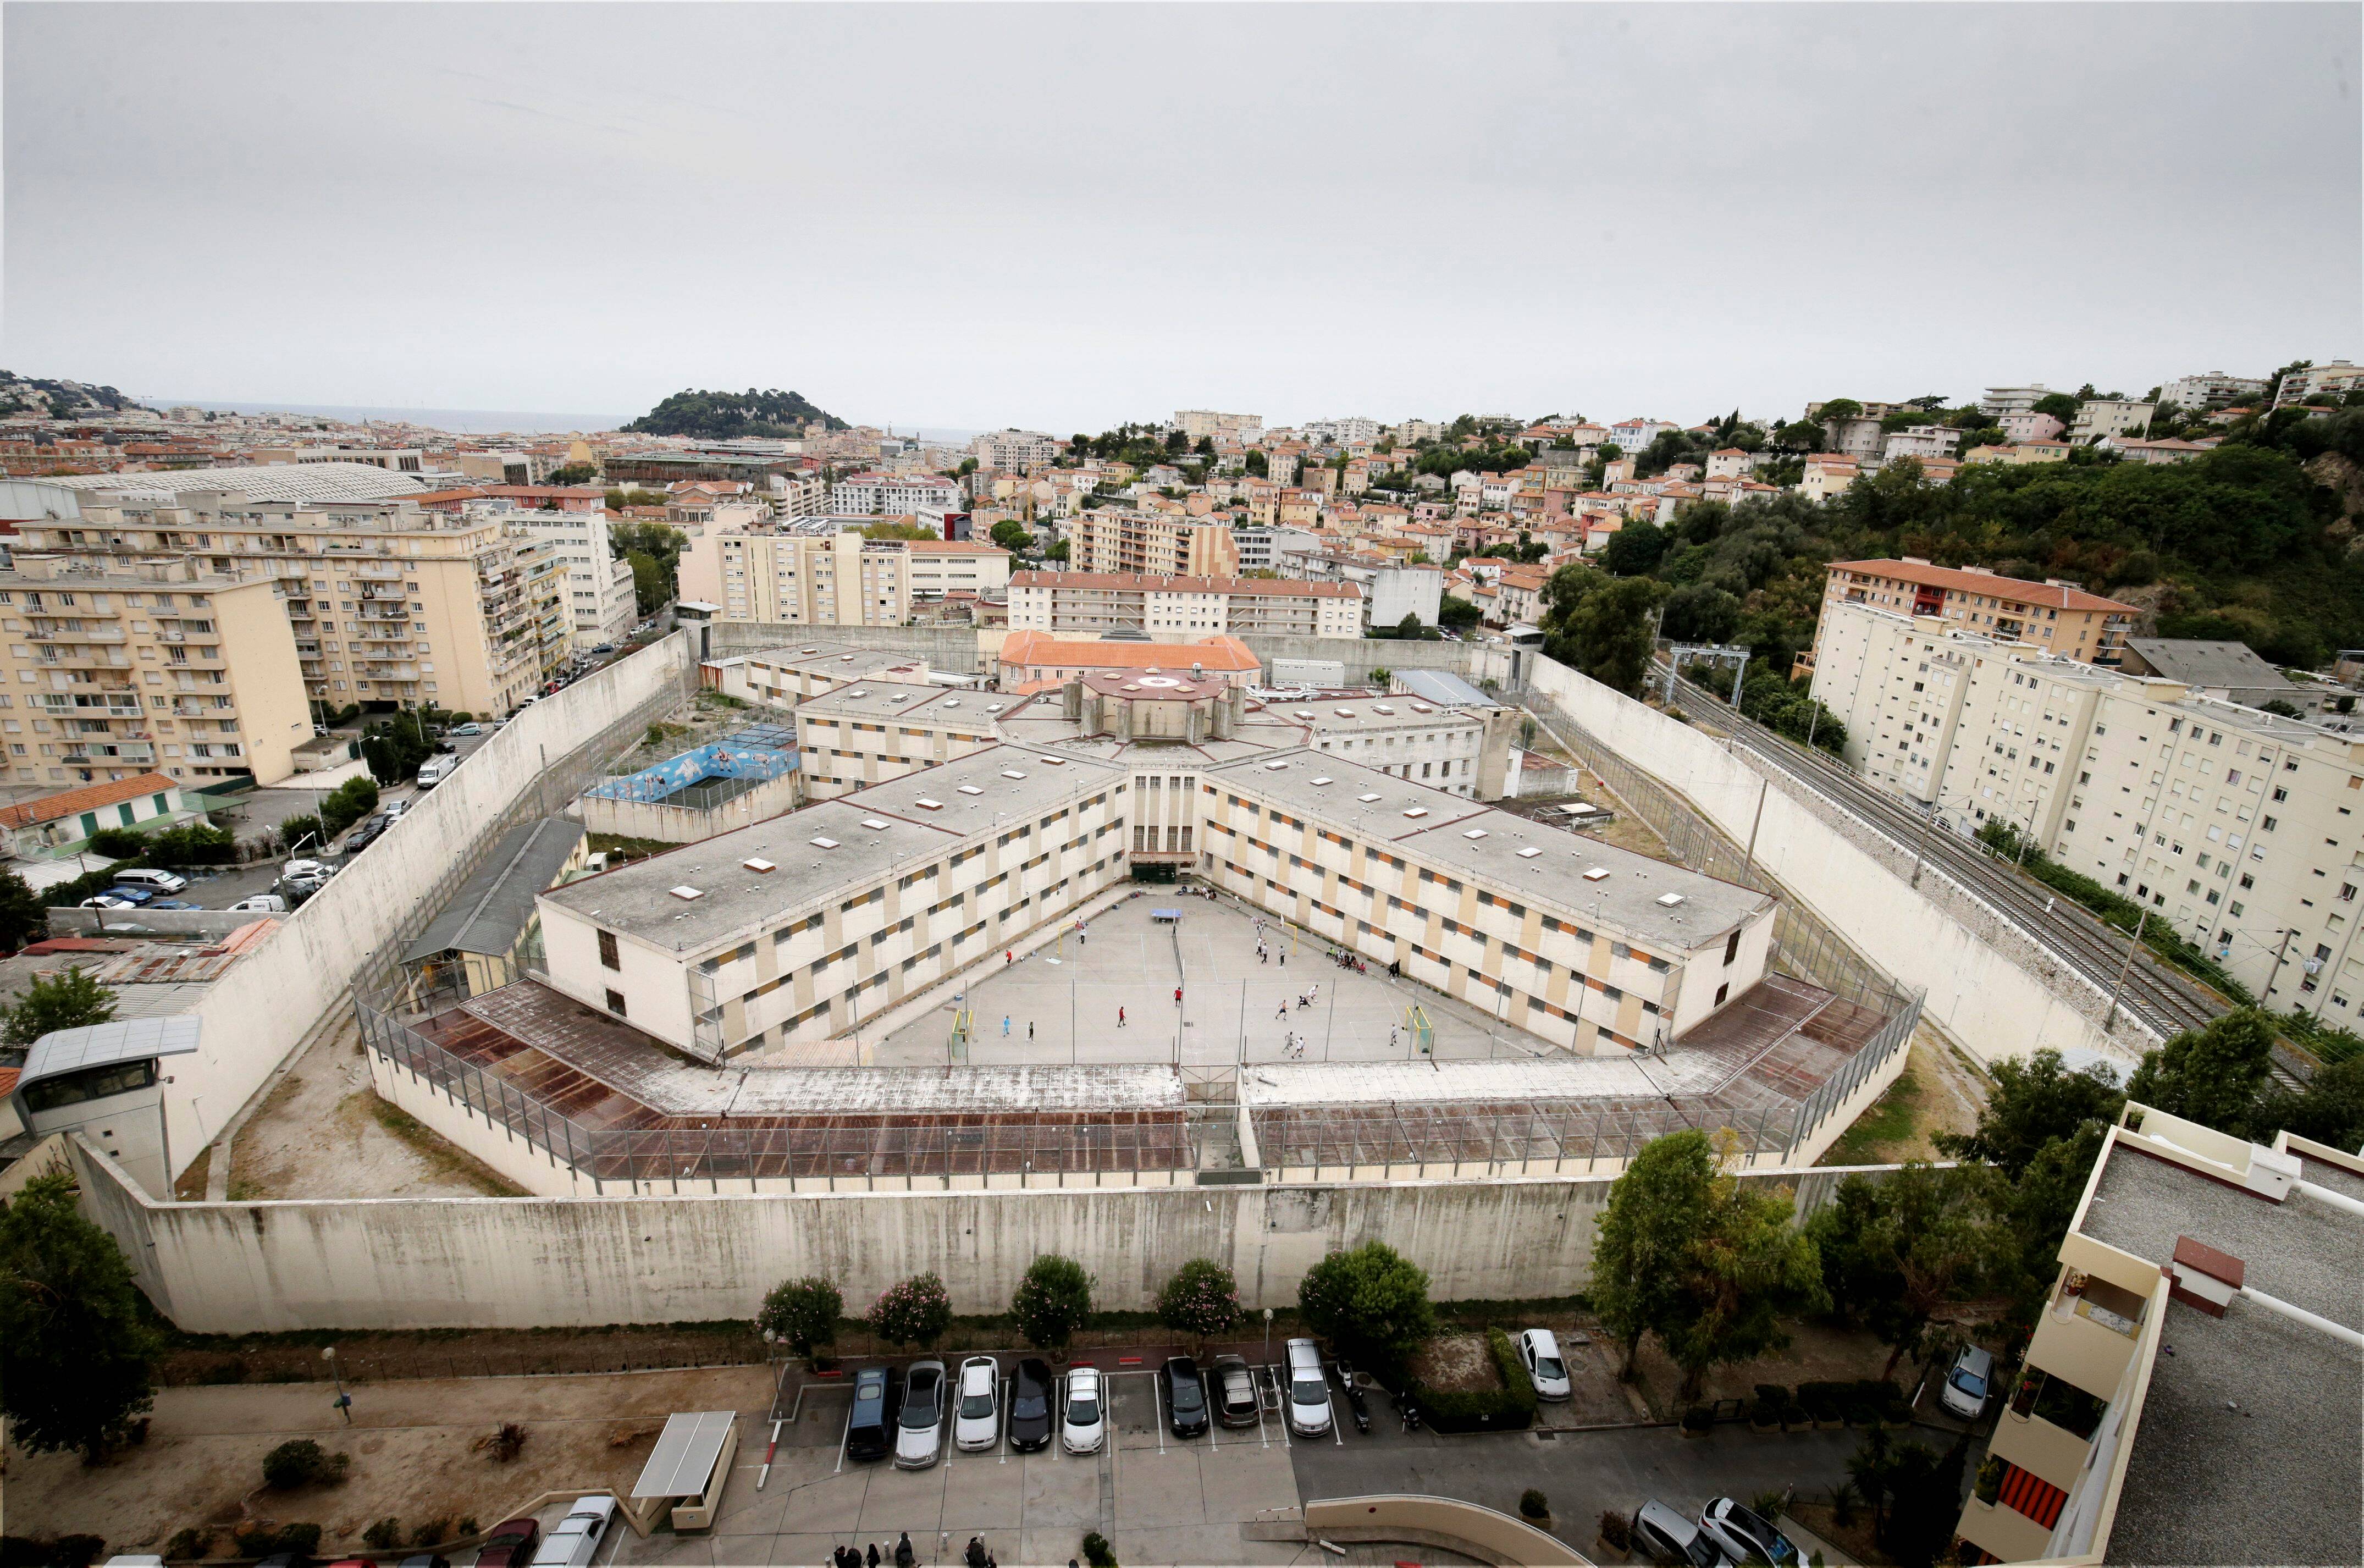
(2018, 590)
(66, 803)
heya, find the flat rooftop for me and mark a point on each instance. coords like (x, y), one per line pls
(2248, 1448)
(1491, 846)
(868, 834)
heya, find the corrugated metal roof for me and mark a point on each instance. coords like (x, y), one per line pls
(1442, 688)
(259, 482)
(684, 1458)
(492, 906)
(94, 1045)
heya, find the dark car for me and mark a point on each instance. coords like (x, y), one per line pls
(364, 835)
(1185, 1396)
(423, 1560)
(870, 1434)
(510, 1545)
(1030, 1406)
(288, 1559)
(1235, 1392)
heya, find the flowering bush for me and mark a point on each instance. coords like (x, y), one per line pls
(1052, 1301)
(1201, 1299)
(915, 1311)
(804, 1312)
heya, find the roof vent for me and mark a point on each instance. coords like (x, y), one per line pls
(1274, 767)
(1305, 713)
(1475, 833)
(970, 789)
(1054, 761)
(1381, 708)
(1011, 773)
(1321, 780)
(758, 864)
(685, 892)
(1530, 852)
(812, 649)
(952, 702)
(873, 823)
(824, 843)
(1596, 873)
(924, 804)
(1344, 712)
(1417, 707)
(859, 692)
(845, 658)
(1670, 899)
(900, 697)
(1417, 811)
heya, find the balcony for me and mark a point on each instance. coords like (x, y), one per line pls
(2046, 1452)
(2010, 1535)
(101, 634)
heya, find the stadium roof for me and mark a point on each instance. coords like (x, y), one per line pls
(272, 481)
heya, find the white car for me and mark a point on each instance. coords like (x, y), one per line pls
(977, 1419)
(920, 1429)
(1539, 1351)
(261, 904)
(1969, 1382)
(102, 901)
(1084, 1426)
(1309, 1391)
(573, 1540)
(306, 871)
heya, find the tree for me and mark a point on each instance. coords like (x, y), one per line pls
(1636, 548)
(573, 474)
(77, 1358)
(2059, 404)
(803, 1313)
(1013, 535)
(1408, 629)
(1697, 612)
(1839, 408)
(1456, 614)
(915, 1311)
(1656, 1211)
(1904, 1247)
(68, 1000)
(648, 594)
(1257, 464)
(916, 532)
(23, 918)
(1601, 625)
(1370, 1303)
(1052, 1301)
(2211, 1075)
(1058, 550)
(2034, 1104)
(2330, 1110)
(1201, 1300)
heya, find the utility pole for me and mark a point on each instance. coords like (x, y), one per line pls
(2111, 1017)
(2266, 997)
(1922, 848)
(1749, 860)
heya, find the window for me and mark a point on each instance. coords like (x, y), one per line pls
(1721, 993)
(608, 958)
(1732, 947)
(616, 1002)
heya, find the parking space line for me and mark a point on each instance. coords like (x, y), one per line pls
(1207, 1399)
(843, 1438)
(1157, 1401)
(1002, 1448)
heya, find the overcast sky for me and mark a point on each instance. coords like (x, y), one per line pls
(1064, 217)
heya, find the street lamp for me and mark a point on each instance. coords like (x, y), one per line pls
(345, 1400)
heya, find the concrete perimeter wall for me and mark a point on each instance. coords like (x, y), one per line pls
(268, 1000)
(1989, 985)
(536, 1262)
(685, 824)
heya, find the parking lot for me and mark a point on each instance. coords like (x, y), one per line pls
(1157, 1497)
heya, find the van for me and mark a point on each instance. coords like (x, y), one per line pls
(149, 877)
(433, 771)
(1309, 1391)
(870, 1431)
(261, 904)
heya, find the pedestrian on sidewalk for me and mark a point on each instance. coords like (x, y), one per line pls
(1029, 1028)
(1284, 1011)
(874, 1554)
(904, 1556)
(1178, 996)
(1120, 1018)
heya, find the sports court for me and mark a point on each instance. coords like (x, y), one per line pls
(1107, 994)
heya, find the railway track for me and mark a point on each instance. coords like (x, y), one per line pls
(2155, 994)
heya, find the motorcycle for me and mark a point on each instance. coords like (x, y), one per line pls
(1410, 1413)
(1359, 1407)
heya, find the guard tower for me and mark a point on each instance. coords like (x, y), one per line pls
(108, 1081)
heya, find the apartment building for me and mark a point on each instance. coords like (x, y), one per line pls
(889, 495)
(389, 603)
(1633, 435)
(809, 923)
(1108, 539)
(599, 602)
(1203, 424)
(2101, 418)
(1826, 477)
(1390, 591)
(2001, 401)
(2213, 390)
(822, 572)
(2190, 1392)
(1859, 438)
(2057, 616)
(1015, 451)
(2239, 827)
(2320, 382)
(1260, 548)
(2025, 425)
(1098, 602)
(113, 672)
(1919, 441)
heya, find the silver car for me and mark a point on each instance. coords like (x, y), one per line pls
(1747, 1536)
(1969, 1383)
(920, 1430)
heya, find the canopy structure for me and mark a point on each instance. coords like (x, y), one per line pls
(683, 1462)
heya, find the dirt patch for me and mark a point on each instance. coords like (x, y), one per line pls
(412, 1449)
(318, 1134)
(1456, 1364)
(1940, 1090)
(440, 1354)
(1817, 1353)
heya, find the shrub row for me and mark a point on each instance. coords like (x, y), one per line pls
(1858, 1404)
(1505, 1408)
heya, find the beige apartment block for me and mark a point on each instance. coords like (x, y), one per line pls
(2057, 616)
(816, 572)
(1096, 602)
(113, 674)
(1108, 540)
(2242, 829)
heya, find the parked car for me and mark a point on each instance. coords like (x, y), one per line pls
(153, 879)
(1539, 1351)
(1235, 1392)
(419, 1559)
(1086, 1426)
(394, 810)
(920, 1429)
(1309, 1391)
(603, 648)
(1747, 1536)
(288, 1559)
(108, 901)
(1969, 1383)
(1185, 1396)
(1030, 1405)
(573, 1540)
(365, 835)
(977, 1421)
(174, 904)
(467, 729)
(1665, 1536)
(262, 904)
(511, 1544)
(870, 1432)
(309, 869)
(135, 896)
